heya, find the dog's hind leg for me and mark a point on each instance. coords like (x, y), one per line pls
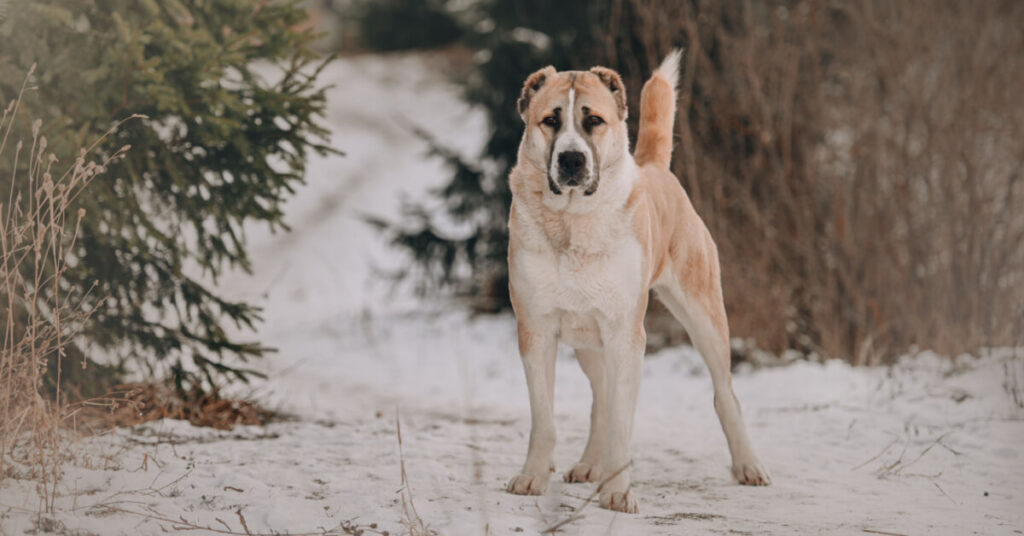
(696, 301)
(588, 469)
(537, 347)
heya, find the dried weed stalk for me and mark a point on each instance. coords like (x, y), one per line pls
(37, 242)
(411, 518)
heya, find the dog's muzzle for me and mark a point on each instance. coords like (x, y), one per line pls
(572, 168)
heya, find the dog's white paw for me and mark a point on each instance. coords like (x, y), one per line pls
(751, 473)
(524, 484)
(583, 472)
(620, 501)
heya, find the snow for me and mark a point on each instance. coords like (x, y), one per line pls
(927, 446)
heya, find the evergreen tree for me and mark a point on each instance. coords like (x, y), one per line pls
(221, 145)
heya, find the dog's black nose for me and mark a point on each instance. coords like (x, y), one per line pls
(570, 163)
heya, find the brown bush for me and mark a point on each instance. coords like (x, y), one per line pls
(859, 164)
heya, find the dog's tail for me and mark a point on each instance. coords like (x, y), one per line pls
(658, 113)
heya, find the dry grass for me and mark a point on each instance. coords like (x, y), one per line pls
(345, 528)
(414, 524)
(37, 242)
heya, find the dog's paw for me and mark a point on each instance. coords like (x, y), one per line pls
(620, 501)
(528, 484)
(583, 472)
(751, 473)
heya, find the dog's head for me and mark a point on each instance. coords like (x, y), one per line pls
(575, 127)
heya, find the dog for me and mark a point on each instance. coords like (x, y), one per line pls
(592, 229)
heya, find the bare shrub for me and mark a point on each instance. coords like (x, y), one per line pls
(37, 243)
(859, 164)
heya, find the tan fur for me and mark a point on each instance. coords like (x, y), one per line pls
(613, 82)
(532, 85)
(547, 84)
(581, 267)
(673, 235)
(657, 113)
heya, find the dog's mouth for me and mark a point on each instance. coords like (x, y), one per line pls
(564, 185)
(572, 170)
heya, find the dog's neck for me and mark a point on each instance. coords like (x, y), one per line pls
(579, 224)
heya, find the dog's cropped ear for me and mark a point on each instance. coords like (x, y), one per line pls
(613, 82)
(532, 85)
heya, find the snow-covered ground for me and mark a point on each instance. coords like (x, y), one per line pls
(929, 446)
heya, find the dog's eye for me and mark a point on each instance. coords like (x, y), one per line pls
(550, 121)
(592, 121)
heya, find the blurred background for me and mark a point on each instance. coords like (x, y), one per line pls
(858, 163)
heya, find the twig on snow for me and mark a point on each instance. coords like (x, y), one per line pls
(181, 524)
(937, 441)
(876, 456)
(412, 519)
(576, 513)
(885, 533)
(888, 468)
(943, 491)
(241, 518)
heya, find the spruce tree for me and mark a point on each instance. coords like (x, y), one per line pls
(221, 145)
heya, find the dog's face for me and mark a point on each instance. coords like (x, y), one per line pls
(575, 130)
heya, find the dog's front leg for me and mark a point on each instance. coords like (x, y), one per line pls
(623, 360)
(588, 469)
(537, 347)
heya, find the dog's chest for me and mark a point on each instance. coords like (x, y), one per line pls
(592, 272)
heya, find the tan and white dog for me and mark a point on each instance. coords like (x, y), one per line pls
(593, 228)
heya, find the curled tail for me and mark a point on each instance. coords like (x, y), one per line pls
(658, 113)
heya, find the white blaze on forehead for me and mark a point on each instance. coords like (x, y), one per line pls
(571, 119)
(571, 140)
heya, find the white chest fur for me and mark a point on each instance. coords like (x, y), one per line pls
(588, 269)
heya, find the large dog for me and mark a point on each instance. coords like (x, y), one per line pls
(592, 228)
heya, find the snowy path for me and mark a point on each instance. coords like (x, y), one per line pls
(925, 447)
(852, 451)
